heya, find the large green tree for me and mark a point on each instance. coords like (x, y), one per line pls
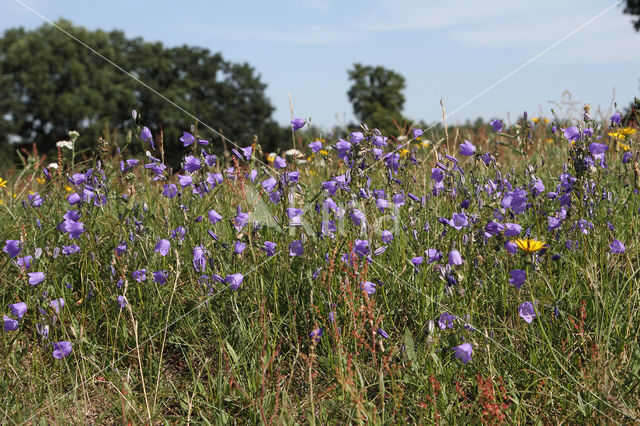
(376, 96)
(633, 8)
(50, 84)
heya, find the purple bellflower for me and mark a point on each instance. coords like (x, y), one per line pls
(518, 277)
(61, 349)
(463, 352)
(527, 312)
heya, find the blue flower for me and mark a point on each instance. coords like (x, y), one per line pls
(12, 248)
(463, 352)
(35, 278)
(518, 277)
(296, 248)
(297, 124)
(139, 275)
(527, 312)
(446, 321)
(234, 281)
(368, 287)
(61, 349)
(163, 247)
(316, 334)
(9, 323)
(467, 148)
(18, 309)
(617, 247)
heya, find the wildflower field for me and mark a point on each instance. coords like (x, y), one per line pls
(441, 277)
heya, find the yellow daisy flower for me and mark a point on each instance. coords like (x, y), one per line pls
(3, 183)
(529, 245)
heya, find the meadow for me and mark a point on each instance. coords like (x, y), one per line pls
(443, 277)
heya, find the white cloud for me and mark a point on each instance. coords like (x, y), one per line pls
(497, 24)
(415, 15)
(609, 38)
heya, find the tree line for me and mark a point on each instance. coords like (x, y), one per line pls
(50, 84)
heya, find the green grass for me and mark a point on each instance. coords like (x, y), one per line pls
(194, 350)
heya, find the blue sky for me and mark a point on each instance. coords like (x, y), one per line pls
(450, 49)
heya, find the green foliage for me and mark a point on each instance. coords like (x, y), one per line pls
(50, 84)
(633, 8)
(376, 96)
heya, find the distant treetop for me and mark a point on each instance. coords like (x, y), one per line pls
(633, 8)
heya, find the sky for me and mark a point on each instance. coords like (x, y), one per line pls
(487, 59)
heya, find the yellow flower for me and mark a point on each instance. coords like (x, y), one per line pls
(68, 188)
(549, 140)
(622, 133)
(40, 180)
(404, 152)
(323, 152)
(271, 157)
(624, 147)
(3, 183)
(546, 120)
(529, 245)
(535, 120)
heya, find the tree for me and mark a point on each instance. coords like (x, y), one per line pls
(376, 96)
(49, 84)
(633, 8)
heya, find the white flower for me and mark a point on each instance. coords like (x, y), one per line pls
(64, 144)
(74, 134)
(53, 165)
(293, 153)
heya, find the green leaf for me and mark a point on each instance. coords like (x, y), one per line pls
(409, 346)
(581, 404)
(231, 352)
